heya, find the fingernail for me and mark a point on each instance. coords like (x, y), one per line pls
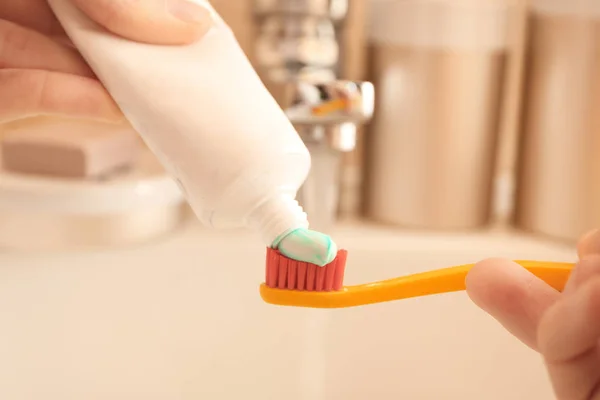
(189, 11)
(589, 244)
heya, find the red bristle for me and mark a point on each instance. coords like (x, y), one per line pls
(268, 264)
(310, 277)
(340, 267)
(292, 275)
(302, 270)
(320, 281)
(283, 271)
(287, 274)
(273, 269)
(329, 275)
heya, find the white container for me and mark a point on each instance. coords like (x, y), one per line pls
(208, 118)
(39, 213)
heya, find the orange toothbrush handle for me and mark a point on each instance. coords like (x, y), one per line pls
(449, 280)
(422, 284)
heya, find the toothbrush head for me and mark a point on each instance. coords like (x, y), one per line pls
(285, 273)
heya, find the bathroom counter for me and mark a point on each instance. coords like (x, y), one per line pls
(181, 319)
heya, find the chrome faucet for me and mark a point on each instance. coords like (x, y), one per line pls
(298, 55)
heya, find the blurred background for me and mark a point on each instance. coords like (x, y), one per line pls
(471, 115)
(477, 135)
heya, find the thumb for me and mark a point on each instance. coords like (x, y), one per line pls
(169, 22)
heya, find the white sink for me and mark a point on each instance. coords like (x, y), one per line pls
(183, 320)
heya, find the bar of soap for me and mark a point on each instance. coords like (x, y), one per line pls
(70, 150)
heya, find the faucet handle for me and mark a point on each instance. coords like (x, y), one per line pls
(330, 103)
(327, 111)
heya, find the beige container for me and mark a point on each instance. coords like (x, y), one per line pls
(558, 192)
(438, 67)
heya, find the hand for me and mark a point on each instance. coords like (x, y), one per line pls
(42, 74)
(563, 327)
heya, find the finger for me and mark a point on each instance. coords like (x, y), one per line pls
(512, 295)
(586, 269)
(26, 93)
(572, 327)
(150, 21)
(34, 14)
(568, 338)
(589, 244)
(28, 49)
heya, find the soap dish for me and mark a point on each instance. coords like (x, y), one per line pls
(44, 213)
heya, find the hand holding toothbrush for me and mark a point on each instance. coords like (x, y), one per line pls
(42, 74)
(563, 327)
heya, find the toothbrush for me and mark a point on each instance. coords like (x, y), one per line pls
(292, 283)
